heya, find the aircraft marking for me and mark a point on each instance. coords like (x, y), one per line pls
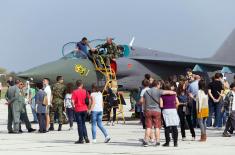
(81, 69)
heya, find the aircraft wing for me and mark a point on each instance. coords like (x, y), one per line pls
(142, 54)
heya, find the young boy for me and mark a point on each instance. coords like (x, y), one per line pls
(41, 102)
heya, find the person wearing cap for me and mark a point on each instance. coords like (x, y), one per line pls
(112, 51)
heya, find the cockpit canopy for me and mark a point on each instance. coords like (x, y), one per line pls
(68, 50)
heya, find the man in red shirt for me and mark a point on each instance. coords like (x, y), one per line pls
(78, 99)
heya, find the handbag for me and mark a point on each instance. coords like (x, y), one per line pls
(87, 101)
(153, 98)
(45, 100)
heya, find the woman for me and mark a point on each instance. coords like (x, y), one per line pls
(202, 108)
(184, 111)
(68, 105)
(169, 104)
(97, 113)
(112, 101)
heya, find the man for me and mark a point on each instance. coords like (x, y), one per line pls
(192, 90)
(24, 116)
(58, 93)
(16, 107)
(0, 90)
(47, 90)
(229, 105)
(10, 82)
(153, 111)
(81, 49)
(31, 100)
(112, 51)
(215, 88)
(80, 108)
(12, 97)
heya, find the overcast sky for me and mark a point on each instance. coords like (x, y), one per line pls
(32, 32)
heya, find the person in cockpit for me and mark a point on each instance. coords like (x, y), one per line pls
(81, 48)
(113, 51)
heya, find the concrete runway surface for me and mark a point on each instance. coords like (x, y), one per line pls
(125, 140)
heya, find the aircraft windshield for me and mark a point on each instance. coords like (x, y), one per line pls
(69, 49)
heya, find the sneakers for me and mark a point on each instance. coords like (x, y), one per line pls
(87, 140)
(31, 130)
(145, 144)
(94, 141)
(79, 142)
(225, 134)
(157, 144)
(113, 123)
(51, 127)
(60, 127)
(166, 145)
(193, 138)
(175, 144)
(108, 123)
(184, 139)
(71, 128)
(107, 139)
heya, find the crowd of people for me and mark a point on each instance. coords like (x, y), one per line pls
(187, 101)
(50, 102)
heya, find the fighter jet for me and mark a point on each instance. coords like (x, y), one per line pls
(134, 63)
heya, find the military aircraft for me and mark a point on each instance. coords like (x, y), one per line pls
(134, 63)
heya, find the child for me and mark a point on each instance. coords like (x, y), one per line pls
(41, 102)
(202, 108)
(68, 105)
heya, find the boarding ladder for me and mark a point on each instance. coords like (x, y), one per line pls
(110, 77)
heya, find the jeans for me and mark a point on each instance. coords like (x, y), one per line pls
(70, 115)
(214, 108)
(182, 117)
(33, 108)
(142, 118)
(41, 121)
(96, 118)
(81, 123)
(194, 114)
(202, 124)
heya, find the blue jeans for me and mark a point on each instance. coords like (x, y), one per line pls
(42, 121)
(214, 108)
(96, 118)
(69, 112)
(33, 108)
(81, 123)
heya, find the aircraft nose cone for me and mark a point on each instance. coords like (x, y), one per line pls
(48, 70)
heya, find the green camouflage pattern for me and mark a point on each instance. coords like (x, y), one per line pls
(58, 92)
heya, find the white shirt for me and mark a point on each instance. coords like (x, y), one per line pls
(47, 89)
(98, 101)
(68, 101)
(233, 107)
(143, 91)
(142, 95)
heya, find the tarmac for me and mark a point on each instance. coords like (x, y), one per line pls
(125, 140)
